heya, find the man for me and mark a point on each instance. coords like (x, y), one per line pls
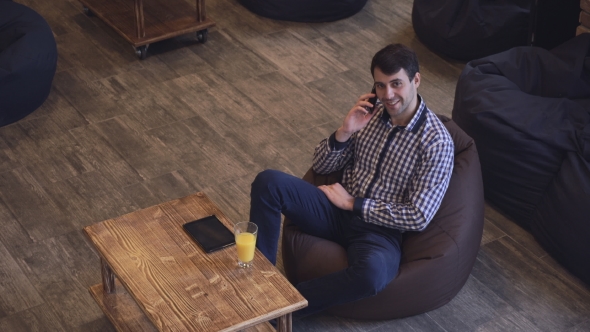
(396, 162)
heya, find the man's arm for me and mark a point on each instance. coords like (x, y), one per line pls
(427, 190)
(334, 152)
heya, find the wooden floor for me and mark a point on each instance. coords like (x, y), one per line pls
(118, 134)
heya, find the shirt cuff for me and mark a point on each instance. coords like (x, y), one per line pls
(357, 208)
(335, 145)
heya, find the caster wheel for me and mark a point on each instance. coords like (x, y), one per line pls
(141, 52)
(87, 11)
(202, 36)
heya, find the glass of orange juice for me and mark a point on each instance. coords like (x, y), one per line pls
(245, 233)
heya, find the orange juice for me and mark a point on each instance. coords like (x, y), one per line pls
(245, 243)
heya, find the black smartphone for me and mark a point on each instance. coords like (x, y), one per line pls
(210, 233)
(372, 100)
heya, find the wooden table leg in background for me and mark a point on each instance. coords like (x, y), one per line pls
(285, 323)
(201, 15)
(108, 277)
(139, 20)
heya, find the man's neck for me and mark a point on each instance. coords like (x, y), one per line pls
(406, 118)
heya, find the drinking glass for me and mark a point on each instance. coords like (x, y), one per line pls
(245, 233)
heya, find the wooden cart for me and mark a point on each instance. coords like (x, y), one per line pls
(155, 20)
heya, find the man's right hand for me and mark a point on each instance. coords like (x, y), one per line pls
(356, 119)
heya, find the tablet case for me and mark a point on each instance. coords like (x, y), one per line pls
(210, 233)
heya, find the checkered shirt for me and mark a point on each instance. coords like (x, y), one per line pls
(398, 175)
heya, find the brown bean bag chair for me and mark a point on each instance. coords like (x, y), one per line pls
(435, 263)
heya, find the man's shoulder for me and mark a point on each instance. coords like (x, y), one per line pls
(434, 131)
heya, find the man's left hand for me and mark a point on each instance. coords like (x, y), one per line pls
(338, 196)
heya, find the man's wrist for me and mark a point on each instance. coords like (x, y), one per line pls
(357, 207)
(342, 136)
(335, 145)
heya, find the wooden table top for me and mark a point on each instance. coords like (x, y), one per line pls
(176, 284)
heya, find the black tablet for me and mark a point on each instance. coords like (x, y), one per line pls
(210, 233)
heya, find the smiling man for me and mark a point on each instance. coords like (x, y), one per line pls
(396, 161)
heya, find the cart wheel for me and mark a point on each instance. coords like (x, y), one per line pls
(87, 11)
(202, 36)
(142, 51)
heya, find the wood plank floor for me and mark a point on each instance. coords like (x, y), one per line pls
(118, 134)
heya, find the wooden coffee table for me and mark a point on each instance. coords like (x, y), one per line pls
(171, 284)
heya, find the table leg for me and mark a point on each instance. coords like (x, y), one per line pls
(285, 323)
(139, 20)
(108, 277)
(201, 15)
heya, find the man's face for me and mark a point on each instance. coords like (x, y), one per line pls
(398, 94)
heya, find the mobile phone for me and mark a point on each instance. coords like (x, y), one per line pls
(209, 233)
(372, 100)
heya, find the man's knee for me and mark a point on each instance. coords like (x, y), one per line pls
(374, 277)
(265, 179)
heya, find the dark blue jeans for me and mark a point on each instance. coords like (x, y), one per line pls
(373, 251)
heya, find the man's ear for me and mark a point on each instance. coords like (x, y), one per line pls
(417, 79)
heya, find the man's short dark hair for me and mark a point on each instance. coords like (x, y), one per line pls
(394, 57)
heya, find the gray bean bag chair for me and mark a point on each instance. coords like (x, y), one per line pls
(528, 110)
(471, 29)
(305, 10)
(28, 59)
(435, 263)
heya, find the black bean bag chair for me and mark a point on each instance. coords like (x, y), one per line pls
(528, 110)
(435, 263)
(28, 59)
(471, 29)
(305, 10)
